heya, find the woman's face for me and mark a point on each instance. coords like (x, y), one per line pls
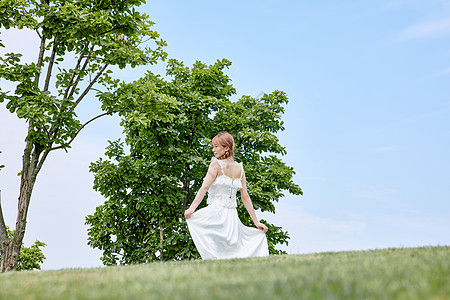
(219, 150)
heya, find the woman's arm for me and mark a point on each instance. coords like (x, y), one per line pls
(207, 181)
(249, 206)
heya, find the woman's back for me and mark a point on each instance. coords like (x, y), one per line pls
(230, 168)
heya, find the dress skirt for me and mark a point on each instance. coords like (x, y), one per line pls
(218, 233)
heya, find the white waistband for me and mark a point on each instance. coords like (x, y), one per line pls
(222, 200)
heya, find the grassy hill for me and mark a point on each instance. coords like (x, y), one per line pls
(410, 273)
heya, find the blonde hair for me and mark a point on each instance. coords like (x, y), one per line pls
(225, 139)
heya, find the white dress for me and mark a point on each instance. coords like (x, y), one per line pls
(216, 229)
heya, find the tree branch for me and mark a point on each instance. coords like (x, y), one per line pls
(40, 57)
(54, 129)
(40, 36)
(41, 161)
(86, 90)
(97, 90)
(35, 159)
(107, 31)
(50, 66)
(84, 125)
(74, 86)
(26, 158)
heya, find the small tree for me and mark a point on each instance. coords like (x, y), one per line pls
(148, 189)
(80, 40)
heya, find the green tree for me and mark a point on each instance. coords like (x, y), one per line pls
(148, 189)
(80, 41)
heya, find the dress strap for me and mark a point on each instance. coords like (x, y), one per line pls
(221, 167)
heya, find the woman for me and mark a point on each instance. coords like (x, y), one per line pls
(216, 229)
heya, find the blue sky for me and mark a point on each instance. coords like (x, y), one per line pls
(367, 126)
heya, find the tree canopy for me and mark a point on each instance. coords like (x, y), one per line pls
(149, 179)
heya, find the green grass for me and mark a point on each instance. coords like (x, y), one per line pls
(410, 273)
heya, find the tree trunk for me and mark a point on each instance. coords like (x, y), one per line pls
(9, 259)
(26, 188)
(31, 165)
(186, 182)
(186, 186)
(4, 240)
(161, 242)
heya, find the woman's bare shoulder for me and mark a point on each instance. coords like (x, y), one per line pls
(214, 164)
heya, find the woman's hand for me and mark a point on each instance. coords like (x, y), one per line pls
(188, 213)
(261, 226)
